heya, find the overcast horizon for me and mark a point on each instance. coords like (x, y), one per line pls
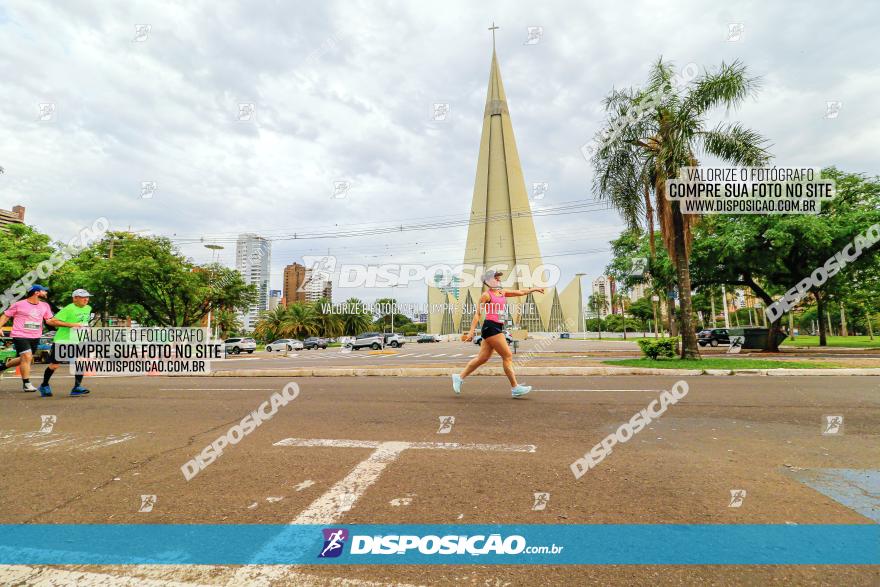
(345, 92)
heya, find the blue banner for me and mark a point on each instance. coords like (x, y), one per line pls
(601, 544)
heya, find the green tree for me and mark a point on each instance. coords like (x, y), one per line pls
(770, 254)
(384, 321)
(329, 323)
(355, 318)
(272, 325)
(651, 133)
(22, 248)
(148, 279)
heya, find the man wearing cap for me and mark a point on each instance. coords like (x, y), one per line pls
(77, 313)
(28, 316)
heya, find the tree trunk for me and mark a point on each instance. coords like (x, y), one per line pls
(712, 301)
(842, 321)
(791, 324)
(868, 320)
(670, 316)
(820, 314)
(689, 346)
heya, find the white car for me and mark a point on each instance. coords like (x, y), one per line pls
(284, 344)
(235, 346)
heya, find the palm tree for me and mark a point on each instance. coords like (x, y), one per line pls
(651, 133)
(356, 319)
(329, 323)
(302, 321)
(272, 324)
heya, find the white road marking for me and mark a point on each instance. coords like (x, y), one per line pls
(657, 390)
(455, 355)
(441, 355)
(340, 498)
(216, 388)
(206, 576)
(44, 442)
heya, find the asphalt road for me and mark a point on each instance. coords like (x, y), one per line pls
(534, 352)
(131, 436)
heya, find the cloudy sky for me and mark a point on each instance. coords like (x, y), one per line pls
(345, 91)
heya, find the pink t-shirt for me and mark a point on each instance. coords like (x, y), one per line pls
(27, 318)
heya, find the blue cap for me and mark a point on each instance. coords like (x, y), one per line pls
(36, 287)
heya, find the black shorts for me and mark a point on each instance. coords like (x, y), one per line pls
(25, 345)
(491, 328)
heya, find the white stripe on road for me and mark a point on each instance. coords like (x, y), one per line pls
(216, 388)
(599, 390)
(340, 498)
(455, 355)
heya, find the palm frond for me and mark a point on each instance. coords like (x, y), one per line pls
(736, 144)
(728, 86)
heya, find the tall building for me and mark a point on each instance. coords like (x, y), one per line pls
(317, 285)
(253, 256)
(14, 216)
(294, 278)
(274, 298)
(502, 235)
(604, 284)
(638, 291)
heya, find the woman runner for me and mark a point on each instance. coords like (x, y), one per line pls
(494, 301)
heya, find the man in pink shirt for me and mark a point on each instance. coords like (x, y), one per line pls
(28, 316)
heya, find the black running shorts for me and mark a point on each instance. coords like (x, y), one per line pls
(491, 328)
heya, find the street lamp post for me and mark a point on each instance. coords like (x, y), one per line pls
(214, 249)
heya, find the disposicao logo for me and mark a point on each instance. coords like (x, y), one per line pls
(334, 540)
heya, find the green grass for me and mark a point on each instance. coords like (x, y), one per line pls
(835, 341)
(716, 363)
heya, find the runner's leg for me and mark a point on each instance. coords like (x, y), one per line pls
(499, 344)
(482, 357)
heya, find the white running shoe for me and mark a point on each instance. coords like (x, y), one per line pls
(29, 387)
(520, 390)
(456, 383)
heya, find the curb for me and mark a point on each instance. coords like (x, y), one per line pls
(534, 371)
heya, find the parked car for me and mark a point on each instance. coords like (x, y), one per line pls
(428, 338)
(315, 342)
(44, 349)
(713, 337)
(373, 340)
(478, 339)
(394, 340)
(290, 344)
(235, 346)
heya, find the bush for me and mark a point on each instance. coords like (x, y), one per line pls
(654, 348)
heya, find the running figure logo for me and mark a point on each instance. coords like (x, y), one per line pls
(47, 423)
(541, 501)
(446, 423)
(334, 540)
(737, 496)
(147, 503)
(832, 425)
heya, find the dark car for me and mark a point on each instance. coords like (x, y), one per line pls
(478, 339)
(44, 349)
(428, 338)
(315, 342)
(713, 337)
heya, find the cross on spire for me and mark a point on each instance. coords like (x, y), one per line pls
(493, 28)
